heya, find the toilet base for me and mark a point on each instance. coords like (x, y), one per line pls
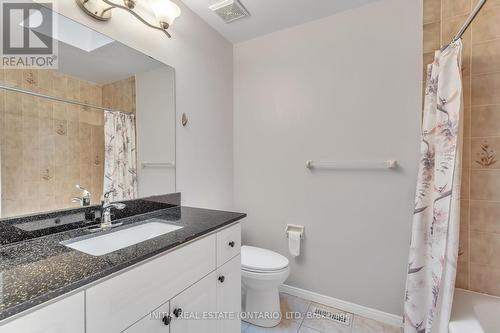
(262, 307)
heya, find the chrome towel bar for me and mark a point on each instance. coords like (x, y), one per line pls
(157, 165)
(389, 164)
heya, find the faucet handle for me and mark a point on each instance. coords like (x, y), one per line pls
(108, 193)
(106, 196)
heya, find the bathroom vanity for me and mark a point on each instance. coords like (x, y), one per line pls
(181, 279)
(162, 267)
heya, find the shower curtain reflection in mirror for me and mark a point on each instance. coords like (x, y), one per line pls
(120, 161)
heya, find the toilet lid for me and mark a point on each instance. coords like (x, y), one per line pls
(257, 259)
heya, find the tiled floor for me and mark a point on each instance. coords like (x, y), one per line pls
(307, 325)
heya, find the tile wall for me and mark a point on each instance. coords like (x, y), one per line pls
(48, 147)
(120, 95)
(479, 260)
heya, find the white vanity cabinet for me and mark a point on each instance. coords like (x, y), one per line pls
(119, 302)
(200, 306)
(196, 281)
(207, 298)
(66, 315)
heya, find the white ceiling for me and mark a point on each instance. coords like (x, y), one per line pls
(270, 15)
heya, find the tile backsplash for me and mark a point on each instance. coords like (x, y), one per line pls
(47, 147)
(479, 257)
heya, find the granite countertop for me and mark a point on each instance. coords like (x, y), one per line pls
(36, 270)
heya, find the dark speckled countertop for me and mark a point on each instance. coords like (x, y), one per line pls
(36, 270)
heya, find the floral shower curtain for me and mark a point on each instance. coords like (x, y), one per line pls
(120, 166)
(436, 222)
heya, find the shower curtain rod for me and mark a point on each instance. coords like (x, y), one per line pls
(469, 20)
(58, 99)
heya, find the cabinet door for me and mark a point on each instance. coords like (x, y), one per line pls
(66, 315)
(157, 321)
(229, 295)
(195, 301)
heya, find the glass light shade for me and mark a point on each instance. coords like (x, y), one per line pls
(165, 10)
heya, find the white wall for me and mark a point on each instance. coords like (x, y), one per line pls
(155, 123)
(203, 61)
(342, 88)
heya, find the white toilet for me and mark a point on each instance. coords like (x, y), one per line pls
(262, 272)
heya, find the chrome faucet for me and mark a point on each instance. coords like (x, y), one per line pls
(84, 200)
(106, 211)
(106, 214)
(106, 208)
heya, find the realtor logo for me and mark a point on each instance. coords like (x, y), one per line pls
(27, 30)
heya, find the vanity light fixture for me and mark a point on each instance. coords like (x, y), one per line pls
(165, 11)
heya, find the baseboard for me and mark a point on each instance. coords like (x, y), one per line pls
(356, 309)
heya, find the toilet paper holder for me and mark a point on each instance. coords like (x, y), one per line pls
(294, 227)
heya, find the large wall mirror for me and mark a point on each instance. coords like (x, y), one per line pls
(104, 120)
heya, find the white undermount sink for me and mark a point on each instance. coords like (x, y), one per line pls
(100, 245)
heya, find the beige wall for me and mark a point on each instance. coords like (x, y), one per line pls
(479, 260)
(333, 90)
(48, 147)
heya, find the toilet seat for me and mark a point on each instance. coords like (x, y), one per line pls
(257, 260)
(256, 271)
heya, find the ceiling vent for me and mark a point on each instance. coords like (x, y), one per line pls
(230, 10)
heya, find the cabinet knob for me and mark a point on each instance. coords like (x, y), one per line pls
(177, 312)
(222, 278)
(231, 244)
(166, 320)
